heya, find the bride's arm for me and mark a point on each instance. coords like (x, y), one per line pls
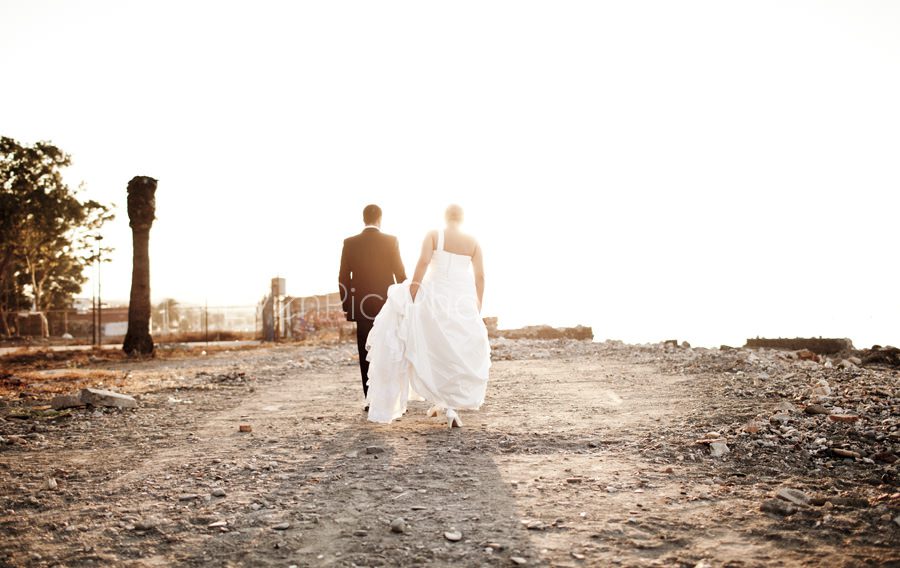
(478, 267)
(422, 265)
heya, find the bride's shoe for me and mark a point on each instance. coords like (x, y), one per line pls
(453, 420)
(433, 411)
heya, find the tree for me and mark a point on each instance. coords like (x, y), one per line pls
(47, 234)
(141, 213)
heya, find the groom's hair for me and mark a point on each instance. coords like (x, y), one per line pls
(371, 214)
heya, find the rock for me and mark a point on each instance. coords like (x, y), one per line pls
(780, 418)
(807, 355)
(838, 452)
(518, 560)
(360, 533)
(845, 418)
(398, 525)
(374, 450)
(786, 407)
(353, 455)
(99, 397)
(816, 409)
(282, 527)
(822, 388)
(897, 520)
(850, 502)
(453, 536)
(147, 524)
(188, 497)
(847, 364)
(50, 484)
(855, 360)
(218, 493)
(64, 401)
(718, 449)
(795, 496)
(217, 525)
(577, 556)
(885, 457)
(778, 507)
(245, 428)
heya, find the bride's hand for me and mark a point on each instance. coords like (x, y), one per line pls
(413, 290)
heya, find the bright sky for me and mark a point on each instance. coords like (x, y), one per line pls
(708, 171)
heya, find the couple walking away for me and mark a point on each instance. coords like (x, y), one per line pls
(418, 339)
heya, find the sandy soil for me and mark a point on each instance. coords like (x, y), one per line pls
(579, 458)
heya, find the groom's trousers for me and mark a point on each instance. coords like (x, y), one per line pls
(363, 327)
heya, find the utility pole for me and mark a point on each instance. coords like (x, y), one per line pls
(93, 319)
(97, 332)
(99, 298)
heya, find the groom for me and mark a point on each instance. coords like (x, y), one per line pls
(370, 263)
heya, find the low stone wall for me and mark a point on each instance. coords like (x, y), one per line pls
(546, 332)
(819, 345)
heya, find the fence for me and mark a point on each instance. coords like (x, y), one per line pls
(168, 323)
(298, 319)
(202, 323)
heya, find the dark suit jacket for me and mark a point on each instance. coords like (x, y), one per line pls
(370, 263)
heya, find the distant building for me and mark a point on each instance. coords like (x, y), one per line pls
(302, 316)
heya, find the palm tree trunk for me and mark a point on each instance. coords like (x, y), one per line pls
(141, 212)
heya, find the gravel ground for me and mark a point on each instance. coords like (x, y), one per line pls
(585, 454)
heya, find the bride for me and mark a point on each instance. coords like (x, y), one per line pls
(429, 340)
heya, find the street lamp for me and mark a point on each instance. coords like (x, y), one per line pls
(99, 299)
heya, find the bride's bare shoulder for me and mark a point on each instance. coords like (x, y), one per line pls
(476, 245)
(432, 237)
(470, 242)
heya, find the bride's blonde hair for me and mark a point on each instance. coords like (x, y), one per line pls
(454, 213)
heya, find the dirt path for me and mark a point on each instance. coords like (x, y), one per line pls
(570, 463)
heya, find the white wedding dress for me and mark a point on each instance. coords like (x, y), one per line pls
(434, 348)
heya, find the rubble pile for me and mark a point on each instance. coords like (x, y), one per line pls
(814, 439)
(821, 411)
